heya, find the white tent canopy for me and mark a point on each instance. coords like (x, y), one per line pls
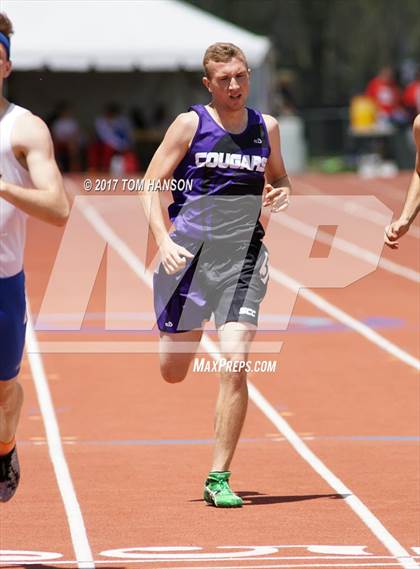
(118, 35)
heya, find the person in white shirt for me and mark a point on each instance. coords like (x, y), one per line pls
(30, 184)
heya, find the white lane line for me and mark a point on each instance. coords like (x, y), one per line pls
(353, 208)
(118, 244)
(345, 318)
(367, 517)
(382, 534)
(293, 565)
(307, 230)
(153, 562)
(289, 558)
(374, 186)
(75, 521)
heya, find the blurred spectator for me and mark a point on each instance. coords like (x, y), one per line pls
(294, 150)
(114, 139)
(384, 90)
(284, 99)
(67, 138)
(137, 117)
(159, 119)
(411, 96)
(362, 113)
(289, 106)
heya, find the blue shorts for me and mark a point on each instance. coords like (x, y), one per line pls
(12, 324)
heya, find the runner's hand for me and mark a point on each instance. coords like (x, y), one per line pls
(277, 198)
(173, 256)
(395, 231)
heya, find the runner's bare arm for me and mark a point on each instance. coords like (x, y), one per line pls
(416, 135)
(412, 202)
(277, 188)
(166, 158)
(31, 141)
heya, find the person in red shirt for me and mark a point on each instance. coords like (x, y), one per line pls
(411, 96)
(384, 90)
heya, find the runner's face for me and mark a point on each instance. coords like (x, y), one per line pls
(5, 65)
(228, 83)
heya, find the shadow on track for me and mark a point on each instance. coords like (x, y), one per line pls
(256, 499)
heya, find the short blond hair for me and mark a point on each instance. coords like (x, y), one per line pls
(222, 52)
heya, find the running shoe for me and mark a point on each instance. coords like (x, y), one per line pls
(9, 475)
(217, 491)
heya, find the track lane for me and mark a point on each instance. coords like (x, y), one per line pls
(35, 519)
(90, 499)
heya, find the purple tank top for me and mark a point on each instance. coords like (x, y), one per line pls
(224, 176)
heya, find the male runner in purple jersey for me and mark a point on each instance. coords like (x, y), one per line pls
(214, 260)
